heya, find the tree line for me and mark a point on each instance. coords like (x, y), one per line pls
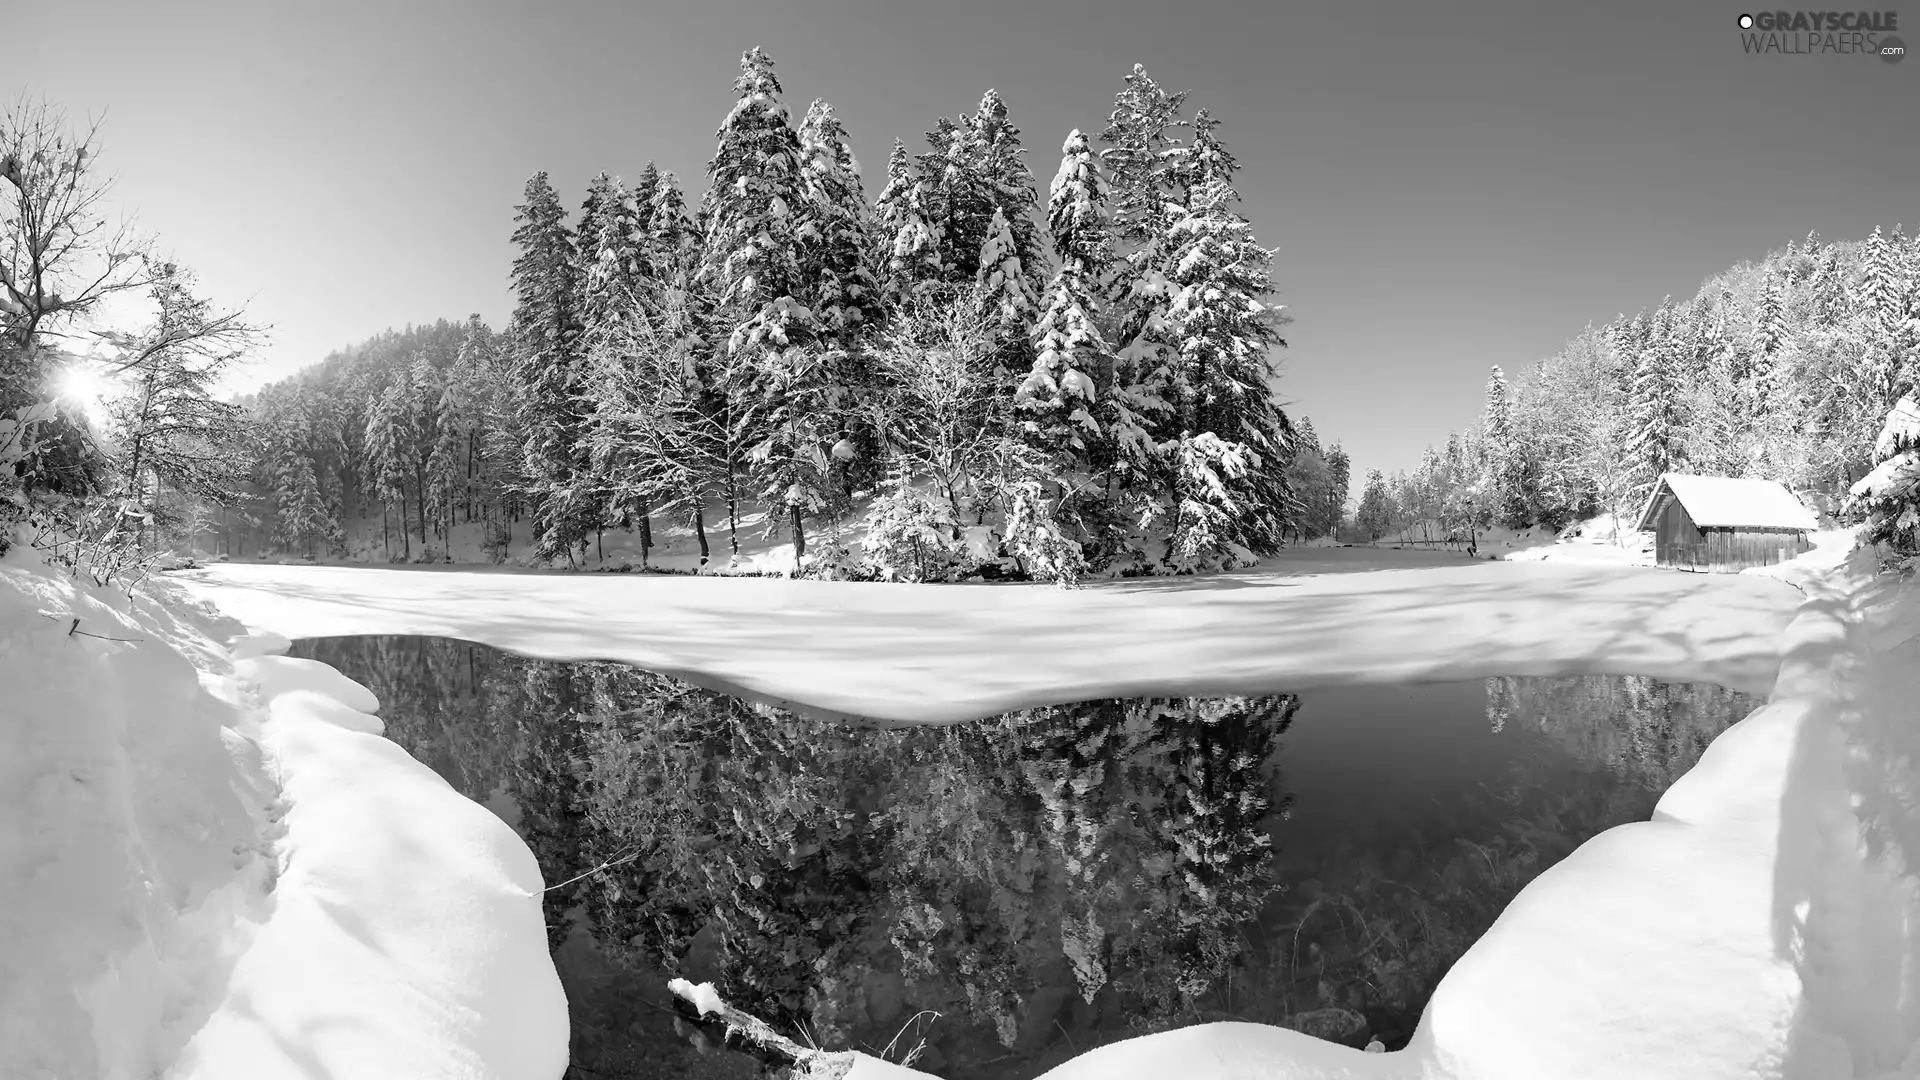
(1787, 369)
(957, 369)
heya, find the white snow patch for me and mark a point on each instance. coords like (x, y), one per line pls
(943, 653)
(214, 868)
(406, 937)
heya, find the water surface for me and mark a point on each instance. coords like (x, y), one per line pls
(1044, 881)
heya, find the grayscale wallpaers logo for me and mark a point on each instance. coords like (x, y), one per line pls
(1843, 33)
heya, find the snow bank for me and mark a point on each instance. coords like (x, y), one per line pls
(406, 937)
(943, 653)
(213, 867)
(130, 825)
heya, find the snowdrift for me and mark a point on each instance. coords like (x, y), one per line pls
(212, 865)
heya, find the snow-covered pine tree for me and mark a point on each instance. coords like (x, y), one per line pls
(640, 207)
(1001, 166)
(1141, 140)
(1770, 332)
(301, 521)
(674, 243)
(754, 196)
(388, 440)
(836, 233)
(975, 167)
(1656, 400)
(1339, 487)
(1882, 293)
(613, 258)
(443, 464)
(906, 251)
(1227, 332)
(835, 229)
(1375, 514)
(546, 344)
(1889, 496)
(1058, 396)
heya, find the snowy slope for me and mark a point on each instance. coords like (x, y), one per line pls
(216, 868)
(940, 653)
(131, 826)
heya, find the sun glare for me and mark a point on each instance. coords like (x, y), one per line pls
(86, 386)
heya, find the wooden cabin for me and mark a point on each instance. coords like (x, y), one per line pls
(1717, 524)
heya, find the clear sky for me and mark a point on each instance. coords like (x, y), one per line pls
(1449, 185)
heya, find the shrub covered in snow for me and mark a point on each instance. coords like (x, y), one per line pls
(1889, 496)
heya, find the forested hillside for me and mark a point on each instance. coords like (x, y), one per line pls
(1784, 369)
(953, 372)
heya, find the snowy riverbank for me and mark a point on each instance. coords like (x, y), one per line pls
(212, 866)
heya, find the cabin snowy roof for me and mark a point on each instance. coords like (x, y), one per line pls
(1722, 502)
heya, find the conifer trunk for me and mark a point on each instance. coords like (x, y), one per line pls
(799, 537)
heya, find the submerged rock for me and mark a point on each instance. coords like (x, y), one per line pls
(1343, 1026)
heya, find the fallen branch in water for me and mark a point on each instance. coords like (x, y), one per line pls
(818, 1064)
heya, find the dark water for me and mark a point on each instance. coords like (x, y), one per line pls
(1044, 881)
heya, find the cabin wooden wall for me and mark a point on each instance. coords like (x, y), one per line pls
(1682, 545)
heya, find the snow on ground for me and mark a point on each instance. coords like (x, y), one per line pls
(212, 866)
(942, 653)
(131, 818)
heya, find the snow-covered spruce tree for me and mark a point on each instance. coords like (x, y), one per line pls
(301, 522)
(975, 170)
(1141, 137)
(751, 265)
(546, 330)
(1507, 460)
(614, 267)
(1882, 292)
(443, 463)
(1227, 331)
(906, 250)
(388, 436)
(673, 250)
(1058, 395)
(836, 234)
(617, 289)
(1889, 496)
(1770, 333)
(1655, 399)
(836, 228)
(1374, 517)
(1339, 488)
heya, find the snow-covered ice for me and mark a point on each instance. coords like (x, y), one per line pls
(942, 653)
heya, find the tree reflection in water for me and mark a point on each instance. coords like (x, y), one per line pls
(1046, 880)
